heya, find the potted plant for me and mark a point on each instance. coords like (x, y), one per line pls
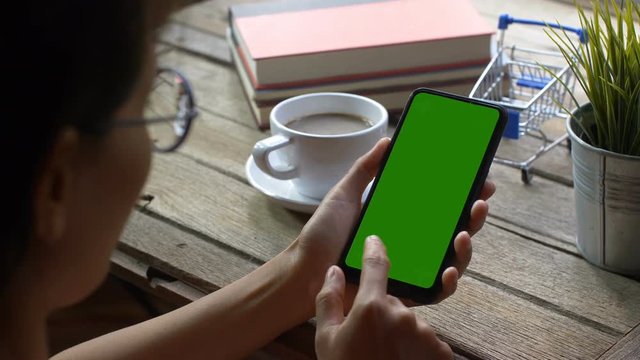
(605, 135)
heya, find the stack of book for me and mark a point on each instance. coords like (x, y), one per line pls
(382, 49)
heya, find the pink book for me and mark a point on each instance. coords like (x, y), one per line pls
(321, 41)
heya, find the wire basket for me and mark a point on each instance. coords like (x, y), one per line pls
(521, 80)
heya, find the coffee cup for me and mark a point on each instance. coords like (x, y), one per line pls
(316, 138)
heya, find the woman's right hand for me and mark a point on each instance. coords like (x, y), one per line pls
(378, 326)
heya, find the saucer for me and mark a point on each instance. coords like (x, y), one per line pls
(280, 191)
(283, 192)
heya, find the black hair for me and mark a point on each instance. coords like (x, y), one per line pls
(66, 63)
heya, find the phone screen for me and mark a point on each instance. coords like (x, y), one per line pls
(417, 200)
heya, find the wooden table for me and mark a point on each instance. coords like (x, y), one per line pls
(527, 293)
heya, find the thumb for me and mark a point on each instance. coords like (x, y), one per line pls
(352, 185)
(329, 302)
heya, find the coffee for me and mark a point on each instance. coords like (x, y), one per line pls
(323, 134)
(329, 124)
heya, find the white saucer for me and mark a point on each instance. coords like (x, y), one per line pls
(282, 191)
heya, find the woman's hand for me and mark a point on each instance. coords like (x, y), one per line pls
(324, 236)
(378, 326)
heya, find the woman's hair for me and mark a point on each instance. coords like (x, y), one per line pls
(67, 63)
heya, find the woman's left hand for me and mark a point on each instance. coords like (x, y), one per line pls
(324, 236)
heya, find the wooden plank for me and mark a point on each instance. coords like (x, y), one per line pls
(216, 87)
(128, 268)
(551, 242)
(235, 214)
(196, 41)
(468, 324)
(205, 16)
(151, 243)
(626, 349)
(208, 78)
(134, 271)
(196, 263)
(483, 322)
(554, 165)
(221, 144)
(555, 279)
(224, 145)
(548, 165)
(289, 345)
(220, 207)
(209, 16)
(544, 207)
(162, 246)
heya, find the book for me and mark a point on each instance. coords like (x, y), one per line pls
(391, 91)
(393, 101)
(292, 43)
(416, 79)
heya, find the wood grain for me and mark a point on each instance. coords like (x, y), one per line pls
(547, 216)
(557, 280)
(486, 323)
(220, 207)
(545, 207)
(507, 316)
(134, 271)
(233, 213)
(217, 87)
(554, 164)
(223, 144)
(195, 41)
(153, 242)
(526, 295)
(208, 78)
(626, 349)
(208, 16)
(198, 264)
(551, 242)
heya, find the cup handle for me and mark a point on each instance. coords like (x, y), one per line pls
(261, 151)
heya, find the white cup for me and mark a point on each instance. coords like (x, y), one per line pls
(314, 162)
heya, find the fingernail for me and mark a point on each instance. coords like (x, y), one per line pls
(331, 273)
(373, 240)
(372, 244)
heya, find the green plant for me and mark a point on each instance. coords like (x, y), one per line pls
(607, 68)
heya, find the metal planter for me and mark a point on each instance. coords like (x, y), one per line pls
(607, 198)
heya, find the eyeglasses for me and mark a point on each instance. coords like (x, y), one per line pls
(169, 111)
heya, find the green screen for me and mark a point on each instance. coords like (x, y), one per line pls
(424, 185)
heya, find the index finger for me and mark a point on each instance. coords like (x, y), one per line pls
(375, 268)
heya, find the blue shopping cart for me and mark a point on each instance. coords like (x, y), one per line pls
(520, 80)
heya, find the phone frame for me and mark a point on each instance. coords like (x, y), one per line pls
(402, 289)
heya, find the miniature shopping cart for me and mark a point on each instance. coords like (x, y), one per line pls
(521, 80)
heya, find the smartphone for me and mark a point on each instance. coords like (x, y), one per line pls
(421, 198)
